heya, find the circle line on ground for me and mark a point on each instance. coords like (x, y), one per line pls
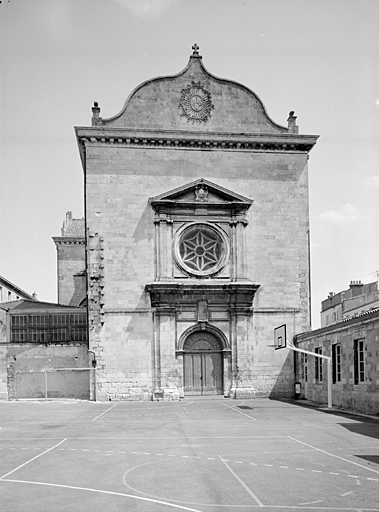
(173, 505)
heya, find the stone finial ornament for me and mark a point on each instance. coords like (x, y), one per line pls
(96, 119)
(195, 49)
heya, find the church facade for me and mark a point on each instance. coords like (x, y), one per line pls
(197, 236)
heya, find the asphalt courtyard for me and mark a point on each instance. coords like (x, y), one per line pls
(195, 455)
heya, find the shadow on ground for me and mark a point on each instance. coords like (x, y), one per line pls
(364, 425)
(373, 460)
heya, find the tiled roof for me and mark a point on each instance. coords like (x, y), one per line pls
(31, 304)
(357, 316)
(15, 288)
(74, 227)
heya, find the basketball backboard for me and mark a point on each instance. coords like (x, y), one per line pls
(280, 337)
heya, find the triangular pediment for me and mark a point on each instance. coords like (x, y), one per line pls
(201, 191)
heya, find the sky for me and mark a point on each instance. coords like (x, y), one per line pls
(319, 58)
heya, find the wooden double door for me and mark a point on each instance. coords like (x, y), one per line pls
(203, 365)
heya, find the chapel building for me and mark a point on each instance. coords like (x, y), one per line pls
(197, 228)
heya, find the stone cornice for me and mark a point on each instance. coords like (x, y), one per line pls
(190, 140)
(240, 294)
(202, 285)
(68, 240)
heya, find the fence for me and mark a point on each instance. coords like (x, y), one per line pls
(56, 383)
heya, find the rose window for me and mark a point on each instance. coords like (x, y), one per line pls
(201, 249)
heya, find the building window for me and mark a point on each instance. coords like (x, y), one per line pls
(359, 361)
(9, 296)
(59, 327)
(201, 249)
(318, 365)
(78, 327)
(336, 362)
(19, 328)
(306, 367)
(38, 328)
(45, 328)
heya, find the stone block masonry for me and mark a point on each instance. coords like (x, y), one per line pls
(195, 150)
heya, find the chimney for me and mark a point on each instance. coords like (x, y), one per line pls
(34, 295)
(292, 126)
(356, 288)
(66, 222)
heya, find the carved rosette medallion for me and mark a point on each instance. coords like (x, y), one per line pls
(196, 103)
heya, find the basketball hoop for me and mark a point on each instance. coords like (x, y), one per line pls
(280, 337)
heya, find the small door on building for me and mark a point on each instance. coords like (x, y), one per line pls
(203, 373)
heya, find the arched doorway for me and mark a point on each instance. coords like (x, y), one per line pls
(203, 364)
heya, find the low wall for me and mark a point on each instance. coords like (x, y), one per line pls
(36, 371)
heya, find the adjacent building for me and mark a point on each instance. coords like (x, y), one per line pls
(9, 292)
(44, 346)
(353, 344)
(71, 266)
(359, 298)
(197, 240)
(43, 351)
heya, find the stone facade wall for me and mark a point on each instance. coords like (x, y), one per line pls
(119, 183)
(363, 396)
(150, 149)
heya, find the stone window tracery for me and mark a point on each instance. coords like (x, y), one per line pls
(201, 249)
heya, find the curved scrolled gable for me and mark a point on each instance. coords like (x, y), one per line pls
(156, 104)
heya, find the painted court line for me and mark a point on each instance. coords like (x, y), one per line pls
(139, 438)
(332, 455)
(233, 409)
(106, 492)
(104, 412)
(346, 473)
(34, 458)
(257, 500)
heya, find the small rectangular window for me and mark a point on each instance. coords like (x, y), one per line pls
(336, 363)
(306, 367)
(318, 365)
(359, 361)
(338, 358)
